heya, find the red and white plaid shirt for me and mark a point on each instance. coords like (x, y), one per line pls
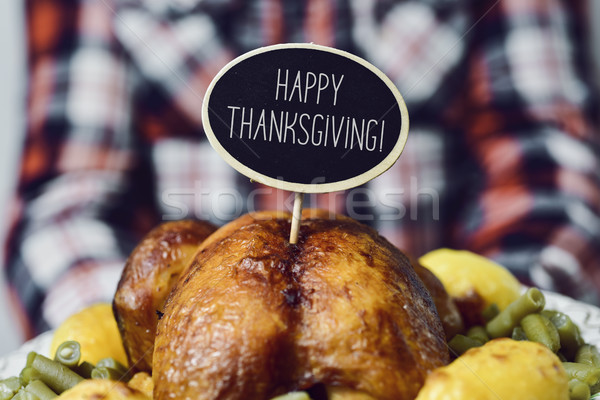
(501, 157)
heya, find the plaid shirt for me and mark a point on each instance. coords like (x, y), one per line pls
(501, 157)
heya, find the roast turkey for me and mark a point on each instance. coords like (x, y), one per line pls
(147, 279)
(253, 316)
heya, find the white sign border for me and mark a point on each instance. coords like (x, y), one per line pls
(358, 180)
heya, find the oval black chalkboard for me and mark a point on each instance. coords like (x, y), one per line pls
(305, 118)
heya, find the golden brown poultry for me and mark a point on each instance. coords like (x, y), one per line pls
(253, 317)
(448, 311)
(149, 275)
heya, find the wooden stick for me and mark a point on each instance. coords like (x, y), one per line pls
(296, 217)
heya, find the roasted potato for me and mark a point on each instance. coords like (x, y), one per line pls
(94, 389)
(501, 369)
(142, 381)
(473, 281)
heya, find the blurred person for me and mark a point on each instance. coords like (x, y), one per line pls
(502, 156)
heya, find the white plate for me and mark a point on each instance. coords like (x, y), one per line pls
(13, 363)
(586, 316)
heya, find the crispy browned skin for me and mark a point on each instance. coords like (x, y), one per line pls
(446, 308)
(149, 275)
(471, 306)
(254, 317)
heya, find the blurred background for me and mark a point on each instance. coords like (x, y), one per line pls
(12, 73)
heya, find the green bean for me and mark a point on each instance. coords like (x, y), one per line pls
(578, 390)
(6, 394)
(68, 353)
(30, 357)
(8, 387)
(58, 377)
(490, 312)
(25, 395)
(461, 343)
(13, 383)
(110, 362)
(589, 355)
(29, 374)
(107, 373)
(561, 357)
(570, 336)
(478, 333)
(84, 369)
(595, 388)
(585, 373)
(518, 334)
(529, 302)
(41, 390)
(538, 328)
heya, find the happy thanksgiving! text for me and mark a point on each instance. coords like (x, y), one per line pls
(302, 128)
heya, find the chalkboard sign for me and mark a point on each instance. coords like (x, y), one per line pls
(305, 118)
